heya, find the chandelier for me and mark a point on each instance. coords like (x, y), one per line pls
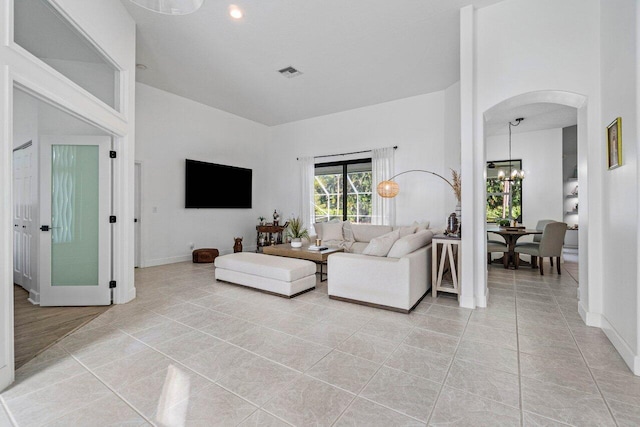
(514, 174)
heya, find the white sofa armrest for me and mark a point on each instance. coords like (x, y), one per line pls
(391, 282)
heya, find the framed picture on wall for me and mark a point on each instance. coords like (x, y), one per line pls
(614, 144)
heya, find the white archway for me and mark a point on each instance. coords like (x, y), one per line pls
(580, 102)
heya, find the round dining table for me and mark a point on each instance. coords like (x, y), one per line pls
(511, 236)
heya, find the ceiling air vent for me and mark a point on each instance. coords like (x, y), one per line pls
(290, 72)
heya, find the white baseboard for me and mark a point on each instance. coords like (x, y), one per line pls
(481, 300)
(131, 295)
(170, 260)
(589, 318)
(188, 257)
(34, 297)
(630, 358)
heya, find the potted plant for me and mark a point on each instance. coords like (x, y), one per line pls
(503, 222)
(296, 232)
(261, 219)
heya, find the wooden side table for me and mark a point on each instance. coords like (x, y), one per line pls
(271, 232)
(445, 253)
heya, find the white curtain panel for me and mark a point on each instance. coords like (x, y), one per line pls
(307, 176)
(384, 210)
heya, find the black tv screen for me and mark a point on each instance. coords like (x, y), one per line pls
(209, 185)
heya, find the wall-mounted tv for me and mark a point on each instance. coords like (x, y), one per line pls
(208, 185)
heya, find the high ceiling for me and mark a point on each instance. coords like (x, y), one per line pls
(351, 53)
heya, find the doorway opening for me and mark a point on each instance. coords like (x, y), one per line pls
(61, 229)
(550, 110)
(532, 175)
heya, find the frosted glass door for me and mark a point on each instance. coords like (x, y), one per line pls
(74, 215)
(75, 235)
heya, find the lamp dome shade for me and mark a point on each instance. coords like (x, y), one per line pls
(388, 189)
(170, 7)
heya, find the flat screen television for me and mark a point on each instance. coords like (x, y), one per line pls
(209, 185)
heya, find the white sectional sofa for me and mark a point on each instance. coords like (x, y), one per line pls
(382, 266)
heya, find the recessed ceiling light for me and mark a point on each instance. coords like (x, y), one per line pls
(141, 66)
(235, 12)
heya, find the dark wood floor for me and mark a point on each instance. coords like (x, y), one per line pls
(37, 328)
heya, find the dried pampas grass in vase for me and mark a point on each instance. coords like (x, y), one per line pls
(457, 190)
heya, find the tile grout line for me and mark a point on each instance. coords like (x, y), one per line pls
(515, 302)
(556, 304)
(356, 395)
(446, 376)
(181, 364)
(5, 408)
(87, 371)
(585, 361)
(258, 407)
(109, 388)
(359, 394)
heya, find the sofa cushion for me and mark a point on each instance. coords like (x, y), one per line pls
(410, 243)
(366, 232)
(380, 246)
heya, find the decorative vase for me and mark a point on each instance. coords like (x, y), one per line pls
(452, 225)
(459, 212)
(296, 243)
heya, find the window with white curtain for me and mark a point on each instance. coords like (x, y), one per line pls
(343, 191)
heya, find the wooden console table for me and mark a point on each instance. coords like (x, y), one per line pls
(271, 232)
(445, 253)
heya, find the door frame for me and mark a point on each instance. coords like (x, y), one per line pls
(138, 191)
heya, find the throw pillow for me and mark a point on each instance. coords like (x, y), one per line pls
(318, 227)
(422, 225)
(405, 231)
(380, 246)
(332, 231)
(410, 243)
(347, 231)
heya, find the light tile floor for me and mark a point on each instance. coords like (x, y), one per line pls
(190, 351)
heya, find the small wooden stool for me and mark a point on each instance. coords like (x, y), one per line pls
(205, 255)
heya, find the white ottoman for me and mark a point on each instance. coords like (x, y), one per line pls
(282, 276)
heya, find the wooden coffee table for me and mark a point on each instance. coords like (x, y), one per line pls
(319, 257)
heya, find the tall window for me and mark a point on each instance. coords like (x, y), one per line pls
(503, 195)
(342, 190)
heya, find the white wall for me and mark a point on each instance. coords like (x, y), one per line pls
(541, 154)
(577, 51)
(170, 129)
(451, 137)
(25, 119)
(416, 125)
(620, 251)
